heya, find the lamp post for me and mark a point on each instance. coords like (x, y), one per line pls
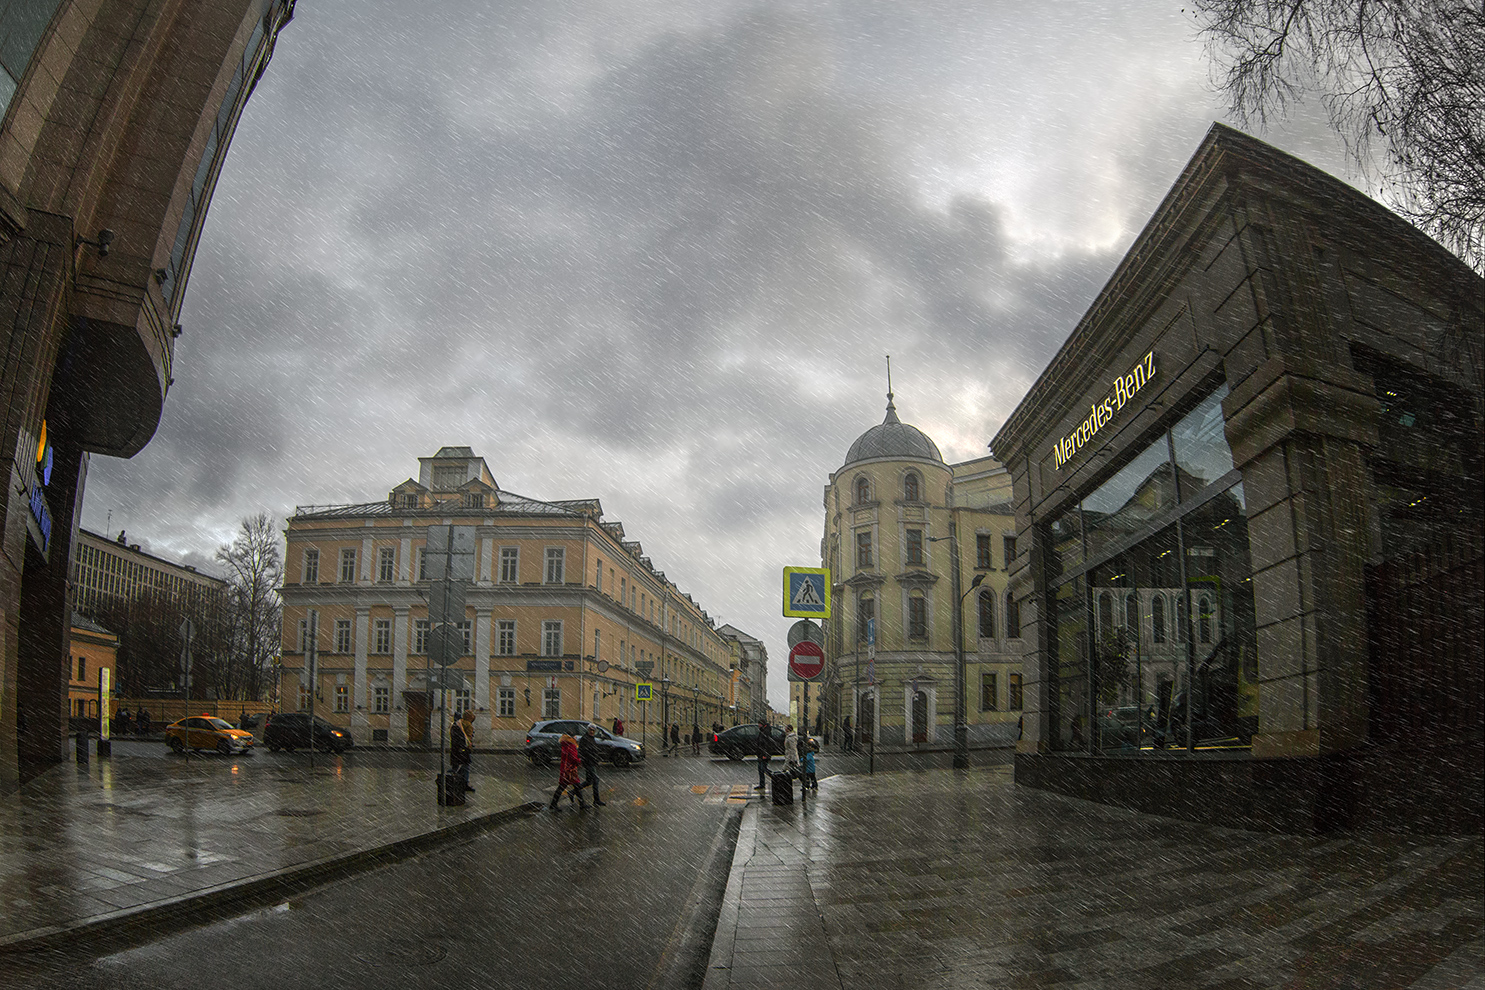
(961, 718)
(664, 710)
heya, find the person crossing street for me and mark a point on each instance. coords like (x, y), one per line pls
(588, 751)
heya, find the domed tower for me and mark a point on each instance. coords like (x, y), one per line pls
(890, 638)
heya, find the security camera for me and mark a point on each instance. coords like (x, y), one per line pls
(105, 238)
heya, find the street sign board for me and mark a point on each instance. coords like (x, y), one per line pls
(446, 600)
(643, 667)
(445, 643)
(449, 552)
(806, 662)
(806, 631)
(644, 691)
(807, 592)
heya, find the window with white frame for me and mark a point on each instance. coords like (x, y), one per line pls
(347, 565)
(507, 702)
(556, 557)
(422, 562)
(420, 636)
(463, 700)
(381, 636)
(381, 697)
(551, 703)
(311, 572)
(505, 638)
(342, 635)
(386, 565)
(598, 583)
(303, 697)
(342, 698)
(510, 565)
(551, 638)
(303, 634)
(917, 617)
(466, 630)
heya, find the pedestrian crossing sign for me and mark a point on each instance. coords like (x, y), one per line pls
(807, 592)
(644, 691)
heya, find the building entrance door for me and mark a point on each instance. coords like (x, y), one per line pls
(419, 705)
(920, 717)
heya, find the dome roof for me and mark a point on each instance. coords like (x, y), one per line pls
(893, 439)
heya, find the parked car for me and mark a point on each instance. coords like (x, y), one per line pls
(198, 732)
(291, 730)
(544, 738)
(742, 740)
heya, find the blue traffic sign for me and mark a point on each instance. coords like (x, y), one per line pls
(807, 592)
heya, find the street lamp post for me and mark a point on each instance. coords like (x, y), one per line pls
(664, 712)
(961, 717)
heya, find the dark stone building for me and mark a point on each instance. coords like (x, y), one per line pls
(1250, 484)
(117, 117)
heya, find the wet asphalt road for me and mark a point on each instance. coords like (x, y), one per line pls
(620, 896)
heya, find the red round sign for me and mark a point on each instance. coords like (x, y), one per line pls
(807, 660)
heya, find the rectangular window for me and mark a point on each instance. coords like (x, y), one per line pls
(988, 694)
(466, 629)
(623, 591)
(556, 556)
(82, 668)
(1008, 541)
(303, 697)
(381, 636)
(342, 698)
(914, 548)
(982, 551)
(866, 613)
(342, 635)
(463, 701)
(422, 564)
(1014, 701)
(505, 638)
(303, 633)
(863, 549)
(311, 566)
(551, 703)
(348, 565)
(420, 636)
(386, 565)
(507, 700)
(510, 565)
(599, 573)
(381, 697)
(551, 638)
(917, 618)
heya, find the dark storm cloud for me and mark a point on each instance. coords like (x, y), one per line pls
(653, 253)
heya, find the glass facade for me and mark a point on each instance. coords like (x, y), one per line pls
(1150, 592)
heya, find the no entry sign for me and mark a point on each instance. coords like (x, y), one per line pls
(806, 661)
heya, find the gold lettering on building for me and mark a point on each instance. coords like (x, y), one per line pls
(1123, 391)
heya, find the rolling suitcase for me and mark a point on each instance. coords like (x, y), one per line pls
(450, 790)
(783, 788)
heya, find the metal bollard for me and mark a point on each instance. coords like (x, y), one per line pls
(82, 747)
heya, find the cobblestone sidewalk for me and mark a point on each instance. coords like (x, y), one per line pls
(944, 879)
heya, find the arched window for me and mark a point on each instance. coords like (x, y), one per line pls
(1132, 614)
(910, 488)
(863, 491)
(1157, 618)
(1012, 618)
(1105, 614)
(1204, 619)
(987, 614)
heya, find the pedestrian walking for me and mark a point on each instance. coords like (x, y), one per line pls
(763, 747)
(461, 748)
(142, 719)
(618, 726)
(675, 737)
(588, 753)
(791, 751)
(567, 772)
(811, 747)
(122, 723)
(695, 739)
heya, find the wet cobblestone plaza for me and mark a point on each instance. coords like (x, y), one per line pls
(961, 879)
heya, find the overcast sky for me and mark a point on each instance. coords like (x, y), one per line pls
(654, 253)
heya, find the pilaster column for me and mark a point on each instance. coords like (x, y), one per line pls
(482, 660)
(361, 687)
(397, 727)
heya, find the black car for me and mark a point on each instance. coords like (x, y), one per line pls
(290, 731)
(742, 740)
(544, 738)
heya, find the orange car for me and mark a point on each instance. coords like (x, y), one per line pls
(200, 732)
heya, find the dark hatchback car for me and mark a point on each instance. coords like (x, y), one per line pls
(742, 741)
(544, 738)
(290, 731)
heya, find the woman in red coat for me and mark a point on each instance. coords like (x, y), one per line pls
(567, 773)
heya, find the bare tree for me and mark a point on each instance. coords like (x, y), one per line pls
(1403, 83)
(254, 572)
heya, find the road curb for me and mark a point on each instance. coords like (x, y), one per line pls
(225, 899)
(719, 962)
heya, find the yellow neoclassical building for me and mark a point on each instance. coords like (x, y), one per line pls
(910, 540)
(562, 615)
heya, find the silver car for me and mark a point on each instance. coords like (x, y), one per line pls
(543, 741)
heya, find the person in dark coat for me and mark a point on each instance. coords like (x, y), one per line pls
(461, 748)
(567, 772)
(764, 748)
(675, 738)
(588, 752)
(695, 739)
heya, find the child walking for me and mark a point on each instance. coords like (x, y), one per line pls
(810, 749)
